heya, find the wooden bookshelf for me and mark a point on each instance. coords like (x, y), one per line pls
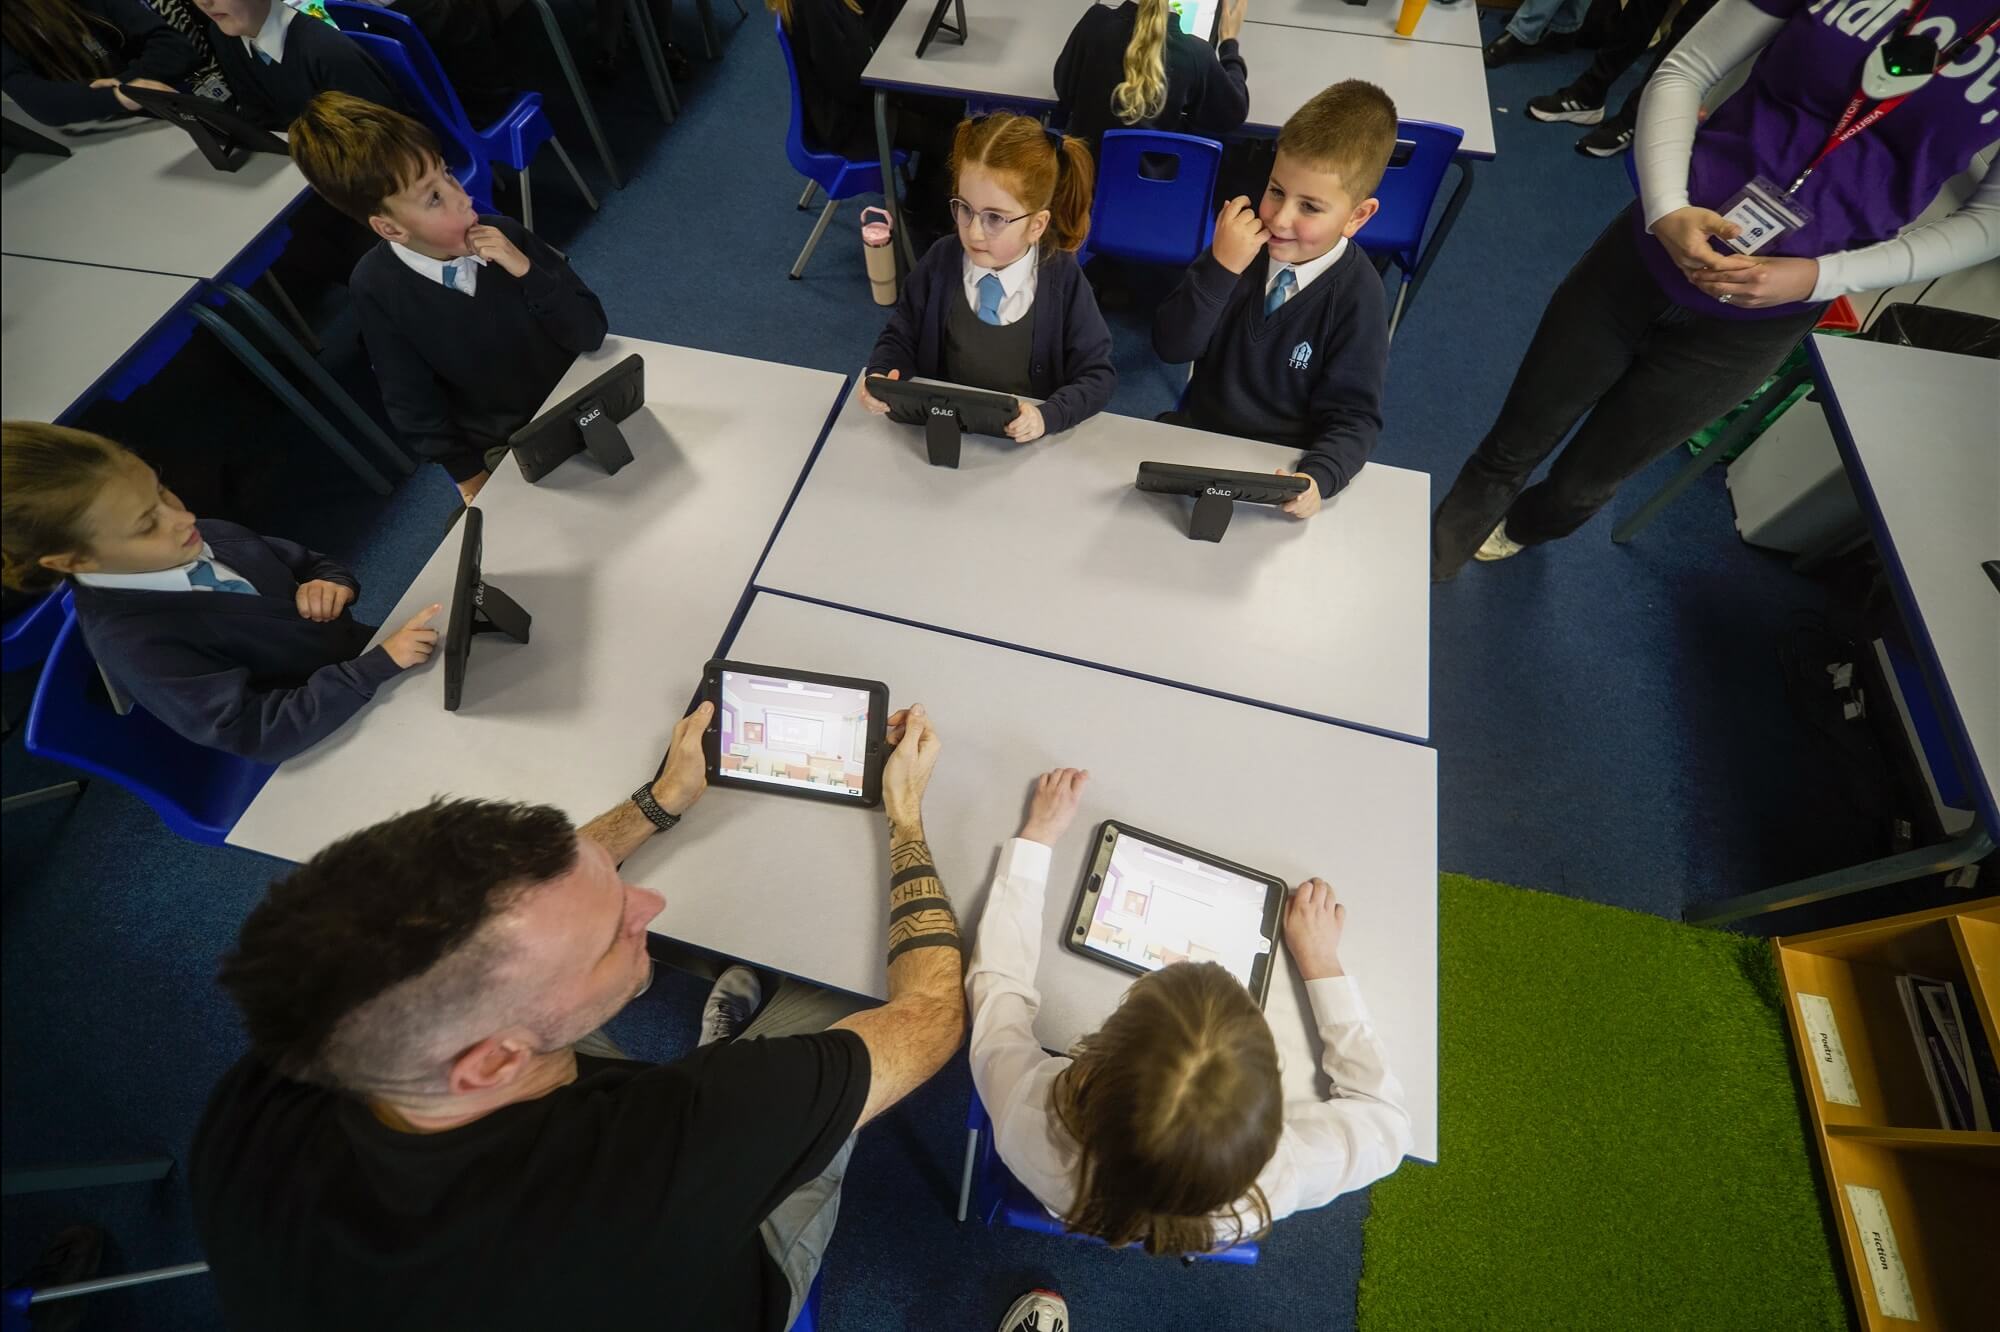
(1938, 1189)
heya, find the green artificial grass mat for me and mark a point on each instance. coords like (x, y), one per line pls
(1620, 1141)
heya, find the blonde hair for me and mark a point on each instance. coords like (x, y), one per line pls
(1143, 95)
(1348, 129)
(783, 9)
(1042, 173)
(49, 475)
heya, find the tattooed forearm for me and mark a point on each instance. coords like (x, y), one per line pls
(920, 915)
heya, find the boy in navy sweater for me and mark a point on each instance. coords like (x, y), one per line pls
(233, 640)
(1283, 317)
(469, 320)
(275, 58)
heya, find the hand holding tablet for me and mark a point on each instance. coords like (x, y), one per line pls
(1313, 922)
(800, 733)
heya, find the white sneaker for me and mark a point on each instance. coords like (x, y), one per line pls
(1497, 546)
(732, 1002)
(1037, 1311)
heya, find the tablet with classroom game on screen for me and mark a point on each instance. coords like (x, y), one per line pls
(796, 732)
(1147, 903)
(1196, 18)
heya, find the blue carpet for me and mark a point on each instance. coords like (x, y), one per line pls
(1611, 722)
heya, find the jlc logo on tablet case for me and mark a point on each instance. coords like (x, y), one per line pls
(1302, 356)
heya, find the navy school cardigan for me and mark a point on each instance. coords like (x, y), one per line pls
(1070, 363)
(245, 674)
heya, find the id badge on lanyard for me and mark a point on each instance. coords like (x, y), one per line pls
(1764, 212)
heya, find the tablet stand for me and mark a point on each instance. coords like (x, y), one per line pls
(937, 25)
(494, 612)
(1212, 512)
(223, 153)
(602, 438)
(942, 435)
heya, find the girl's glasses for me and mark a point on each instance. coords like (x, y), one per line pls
(991, 220)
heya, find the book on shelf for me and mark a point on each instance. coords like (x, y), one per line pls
(1958, 1067)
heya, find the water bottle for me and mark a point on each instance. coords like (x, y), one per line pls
(880, 254)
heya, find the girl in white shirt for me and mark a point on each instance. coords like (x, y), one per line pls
(1167, 1127)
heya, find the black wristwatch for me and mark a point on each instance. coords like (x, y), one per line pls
(643, 798)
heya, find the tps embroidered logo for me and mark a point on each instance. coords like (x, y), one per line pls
(1302, 356)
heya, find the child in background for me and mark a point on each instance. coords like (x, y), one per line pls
(1003, 305)
(1283, 318)
(233, 640)
(63, 61)
(276, 58)
(1168, 1126)
(469, 320)
(1133, 68)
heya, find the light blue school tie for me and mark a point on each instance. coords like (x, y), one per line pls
(263, 55)
(203, 575)
(454, 275)
(1281, 291)
(990, 292)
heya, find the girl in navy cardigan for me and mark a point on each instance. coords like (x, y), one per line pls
(234, 640)
(1004, 305)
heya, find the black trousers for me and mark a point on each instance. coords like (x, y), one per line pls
(1625, 39)
(1646, 371)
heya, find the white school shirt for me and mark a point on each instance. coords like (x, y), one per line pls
(1327, 1148)
(434, 268)
(270, 39)
(1304, 273)
(163, 580)
(1017, 285)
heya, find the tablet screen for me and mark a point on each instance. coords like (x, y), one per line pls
(1159, 906)
(795, 733)
(1196, 18)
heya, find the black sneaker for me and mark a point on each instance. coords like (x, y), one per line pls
(1607, 140)
(1505, 50)
(1574, 104)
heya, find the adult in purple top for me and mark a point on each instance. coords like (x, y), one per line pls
(1659, 328)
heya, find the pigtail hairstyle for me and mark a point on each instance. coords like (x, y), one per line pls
(59, 39)
(1041, 170)
(48, 477)
(1143, 94)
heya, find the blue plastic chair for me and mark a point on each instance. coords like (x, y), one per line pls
(1408, 191)
(1136, 215)
(199, 792)
(840, 177)
(470, 152)
(988, 1191)
(26, 639)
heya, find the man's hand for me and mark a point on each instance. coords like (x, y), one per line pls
(321, 600)
(1026, 427)
(414, 642)
(1685, 233)
(685, 776)
(869, 400)
(1232, 20)
(908, 770)
(471, 486)
(1306, 503)
(1313, 921)
(1052, 807)
(492, 245)
(1239, 235)
(1760, 282)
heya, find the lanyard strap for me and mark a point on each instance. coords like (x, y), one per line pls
(1849, 127)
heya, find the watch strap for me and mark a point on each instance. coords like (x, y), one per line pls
(659, 818)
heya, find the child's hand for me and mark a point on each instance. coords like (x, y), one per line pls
(492, 245)
(322, 601)
(1052, 807)
(1313, 921)
(869, 400)
(1026, 426)
(470, 487)
(1306, 504)
(413, 643)
(1239, 235)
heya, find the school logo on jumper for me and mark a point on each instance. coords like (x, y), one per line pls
(1302, 356)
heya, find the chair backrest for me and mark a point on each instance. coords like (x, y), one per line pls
(1155, 196)
(198, 791)
(1409, 188)
(25, 640)
(997, 1196)
(796, 152)
(396, 44)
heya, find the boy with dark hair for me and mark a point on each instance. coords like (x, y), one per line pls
(469, 320)
(1283, 318)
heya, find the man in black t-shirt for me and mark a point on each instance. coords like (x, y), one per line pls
(415, 1141)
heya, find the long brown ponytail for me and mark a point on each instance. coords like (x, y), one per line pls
(60, 40)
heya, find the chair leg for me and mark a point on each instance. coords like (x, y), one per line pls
(1396, 315)
(283, 300)
(559, 45)
(652, 60)
(710, 42)
(267, 374)
(806, 199)
(527, 201)
(562, 155)
(28, 799)
(812, 241)
(741, 12)
(965, 1177)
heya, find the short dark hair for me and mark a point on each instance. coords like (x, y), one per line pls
(375, 909)
(1348, 129)
(356, 154)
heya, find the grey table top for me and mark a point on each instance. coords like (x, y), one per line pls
(1048, 546)
(49, 358)
(802, 886)
(1453, 24)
